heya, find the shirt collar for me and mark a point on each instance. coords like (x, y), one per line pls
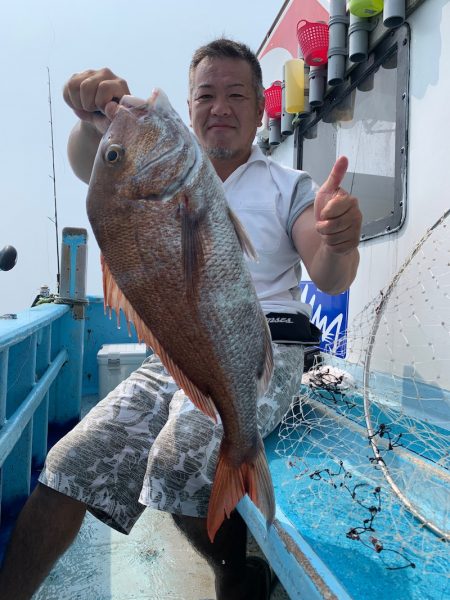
(256, 155)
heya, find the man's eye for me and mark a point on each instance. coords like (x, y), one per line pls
(204, 97)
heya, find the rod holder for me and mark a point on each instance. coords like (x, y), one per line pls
(358, 37)
(393, 13)
(317, 79)
(311, 132)
(274, 132)
(73, 266)
(343, 111)
(367, 84)
(306, 111)
(337, 51)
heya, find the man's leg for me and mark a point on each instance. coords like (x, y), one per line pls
(227, 556)
(46, 527)
(106, 452)
(181, 469)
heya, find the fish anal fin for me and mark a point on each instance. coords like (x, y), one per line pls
(244, 240)
(115, 299)
(231, 483)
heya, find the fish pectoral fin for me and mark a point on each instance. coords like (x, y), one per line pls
(266, 370)
(231, 483)
(244, 240)
(192, 242)
(115, 299)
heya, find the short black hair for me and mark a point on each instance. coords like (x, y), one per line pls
(225, 48)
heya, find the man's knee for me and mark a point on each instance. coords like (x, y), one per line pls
(46, 499)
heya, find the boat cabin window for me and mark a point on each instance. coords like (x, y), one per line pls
(365, 119)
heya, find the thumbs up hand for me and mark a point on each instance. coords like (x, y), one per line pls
(337, 215)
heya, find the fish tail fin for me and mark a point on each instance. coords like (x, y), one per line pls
(231, 483)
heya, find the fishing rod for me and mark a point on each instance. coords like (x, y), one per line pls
(53, 177)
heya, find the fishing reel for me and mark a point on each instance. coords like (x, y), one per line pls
(8, 258)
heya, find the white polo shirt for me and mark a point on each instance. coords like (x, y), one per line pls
(268, 198)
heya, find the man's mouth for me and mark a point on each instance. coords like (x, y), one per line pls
(220, 126)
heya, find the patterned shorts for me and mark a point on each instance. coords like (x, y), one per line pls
(146, 444)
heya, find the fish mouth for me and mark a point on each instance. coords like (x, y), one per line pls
(158, 99)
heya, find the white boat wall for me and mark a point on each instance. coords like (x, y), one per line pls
(395, 133)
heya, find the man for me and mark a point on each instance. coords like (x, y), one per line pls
(141, 450)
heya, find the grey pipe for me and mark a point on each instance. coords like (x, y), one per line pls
(274, 132)
(317, 78)
(306, 107)
(358, 38)
(393, 13)
(337, 51)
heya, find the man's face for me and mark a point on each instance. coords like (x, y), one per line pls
(224, 109)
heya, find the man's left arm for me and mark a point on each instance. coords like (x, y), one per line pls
(326, 235)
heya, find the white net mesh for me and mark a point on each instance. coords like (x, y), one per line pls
(368, 440)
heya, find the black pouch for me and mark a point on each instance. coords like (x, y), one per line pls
(287, 328)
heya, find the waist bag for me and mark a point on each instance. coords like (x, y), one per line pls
(287, 328)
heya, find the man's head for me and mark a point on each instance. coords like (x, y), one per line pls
(224, 48)
(226, 100)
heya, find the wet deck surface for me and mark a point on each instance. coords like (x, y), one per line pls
(154, 562)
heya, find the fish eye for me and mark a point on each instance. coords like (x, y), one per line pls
(114, 154)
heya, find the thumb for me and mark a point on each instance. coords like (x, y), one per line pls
(336, 176)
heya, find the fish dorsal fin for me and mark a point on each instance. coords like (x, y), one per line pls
(114, 299)
(242, 236)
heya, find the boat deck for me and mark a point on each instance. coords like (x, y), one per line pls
(48, 362)
(154, 562)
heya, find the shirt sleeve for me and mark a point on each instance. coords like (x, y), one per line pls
(302, 196)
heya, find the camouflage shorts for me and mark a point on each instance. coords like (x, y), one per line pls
(147, 444)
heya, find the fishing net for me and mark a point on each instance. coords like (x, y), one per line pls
(368, 439)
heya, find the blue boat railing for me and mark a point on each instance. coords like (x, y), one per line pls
(40, 384)
(41, 362)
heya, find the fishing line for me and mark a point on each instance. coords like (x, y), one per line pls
(356, 157)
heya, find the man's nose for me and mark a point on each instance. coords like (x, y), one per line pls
(221, 106)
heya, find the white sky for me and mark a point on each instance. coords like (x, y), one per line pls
(148, 43)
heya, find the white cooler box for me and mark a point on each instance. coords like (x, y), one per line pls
(115, 363)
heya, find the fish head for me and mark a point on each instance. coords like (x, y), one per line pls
(147, 153)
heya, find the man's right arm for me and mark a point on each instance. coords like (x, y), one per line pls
(81, 149)
(88, 94)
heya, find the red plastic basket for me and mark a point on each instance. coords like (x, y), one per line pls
(313, 39)
(273, 100)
